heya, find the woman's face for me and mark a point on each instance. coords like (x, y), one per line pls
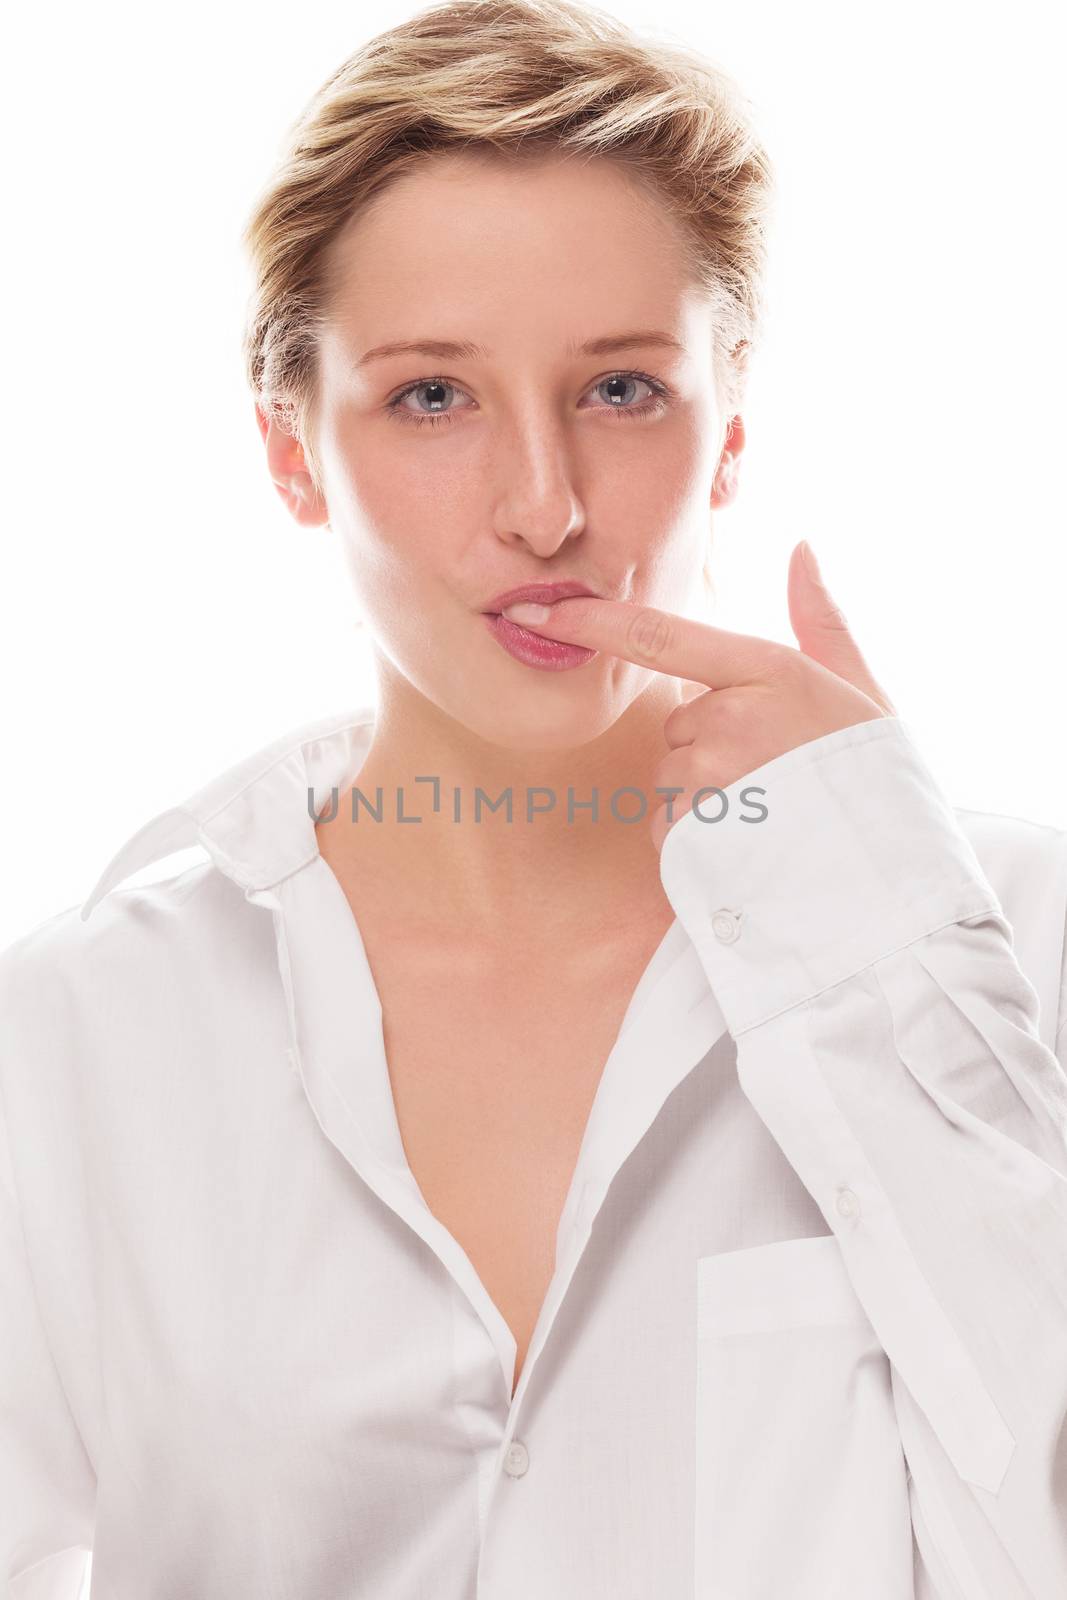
(539, 447)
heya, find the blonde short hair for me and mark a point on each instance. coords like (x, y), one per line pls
(509, 77)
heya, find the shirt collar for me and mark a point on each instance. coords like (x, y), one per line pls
(253, 819)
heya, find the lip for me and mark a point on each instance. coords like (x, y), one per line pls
(533, 649)
(544, 593)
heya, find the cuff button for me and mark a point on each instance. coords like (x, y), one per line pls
(726, 925)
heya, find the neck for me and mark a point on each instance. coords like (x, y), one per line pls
(557, 866)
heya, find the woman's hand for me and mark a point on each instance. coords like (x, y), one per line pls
(760, 698)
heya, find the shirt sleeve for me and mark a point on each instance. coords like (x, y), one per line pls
(889, 1040)
(47, 1483)
(1060, 1045)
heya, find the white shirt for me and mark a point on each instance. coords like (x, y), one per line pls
(807, 1333)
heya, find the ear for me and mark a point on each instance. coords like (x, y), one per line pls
(289, 470)
(724, 487)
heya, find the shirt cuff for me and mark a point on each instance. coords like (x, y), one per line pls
(859, 854)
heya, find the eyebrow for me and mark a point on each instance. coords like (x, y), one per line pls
(464, 350)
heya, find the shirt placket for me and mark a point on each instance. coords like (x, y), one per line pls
(337, 1050)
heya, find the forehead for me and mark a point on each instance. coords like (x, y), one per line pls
(509, 184)
(479, 234)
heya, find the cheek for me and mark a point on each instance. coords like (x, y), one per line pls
(663, 525)
(663, 486)
(381, 505)
(393, 567)
(396, 495)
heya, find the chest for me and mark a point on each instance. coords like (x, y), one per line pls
(494, 1072)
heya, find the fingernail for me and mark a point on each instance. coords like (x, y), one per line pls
(808, 557)
(526, 611)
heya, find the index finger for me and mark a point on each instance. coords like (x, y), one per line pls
(657, 639)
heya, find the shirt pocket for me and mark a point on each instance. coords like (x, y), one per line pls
(801, 1482)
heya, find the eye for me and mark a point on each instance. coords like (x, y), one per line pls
(626, 382)
(438, 392)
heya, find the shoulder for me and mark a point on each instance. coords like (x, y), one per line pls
(130, 958)
(1026, 863)
(72, 987)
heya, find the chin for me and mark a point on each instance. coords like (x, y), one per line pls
(560, 713)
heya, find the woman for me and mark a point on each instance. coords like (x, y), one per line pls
(590, 1128)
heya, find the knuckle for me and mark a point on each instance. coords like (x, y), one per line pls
(649, 634)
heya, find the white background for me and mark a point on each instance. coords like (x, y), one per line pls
(162, 616)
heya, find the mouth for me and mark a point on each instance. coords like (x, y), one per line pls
(533, 649)
(542, 593)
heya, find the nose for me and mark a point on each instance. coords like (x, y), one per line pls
(537, 504)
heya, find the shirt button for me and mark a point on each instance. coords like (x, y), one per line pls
(516, 1460)
(726, 925)
(848, 1203)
